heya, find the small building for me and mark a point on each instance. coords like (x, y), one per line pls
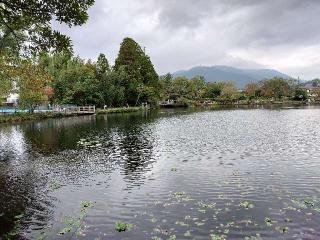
(313, 92)
(12, 100)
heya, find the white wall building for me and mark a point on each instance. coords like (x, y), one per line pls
(12, 99)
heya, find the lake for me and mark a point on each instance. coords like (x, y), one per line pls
(166, 174)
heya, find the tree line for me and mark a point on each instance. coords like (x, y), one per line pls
(131, 81)
(197, 90)
(38, 63)
(62, 78)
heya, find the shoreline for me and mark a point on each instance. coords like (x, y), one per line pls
(120, 110)
(24, 117)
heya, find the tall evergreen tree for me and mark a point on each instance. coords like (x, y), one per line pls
(102, 64)
(142, 80)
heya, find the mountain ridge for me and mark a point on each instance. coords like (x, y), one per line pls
(222, 73)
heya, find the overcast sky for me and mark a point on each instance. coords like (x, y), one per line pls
(179, 34)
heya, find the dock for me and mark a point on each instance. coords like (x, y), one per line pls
(82, 110)
(172, 104)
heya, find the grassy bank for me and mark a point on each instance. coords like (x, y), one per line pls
(20, 117)
(249, 103)
(120, 110)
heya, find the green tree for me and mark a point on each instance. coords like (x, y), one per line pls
(74, 80)
(32, 81)
(56, 64)
(79, 84)
(197, 88)
(276, 88)
(165, 86)
(213, 90)
(9, 58)
(251, 90)
(112, 87)
(315, 82)
(6, 82)
(228, 93)
(300, 94)
(139, 71)
(180, 88)
(34, 17)
(102, 65)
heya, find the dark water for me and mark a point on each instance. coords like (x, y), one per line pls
(171, 174)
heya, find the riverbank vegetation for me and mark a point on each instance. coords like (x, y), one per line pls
(24, 116)
(120, 110)
(20, 117)
(196, 91)
(45, 72)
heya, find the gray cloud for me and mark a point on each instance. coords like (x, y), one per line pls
(178, 34)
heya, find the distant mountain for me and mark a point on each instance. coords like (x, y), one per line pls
(241, 77)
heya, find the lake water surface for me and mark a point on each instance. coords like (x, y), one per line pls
(179, 174)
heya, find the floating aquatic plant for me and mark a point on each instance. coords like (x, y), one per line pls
(86, 204)
(182, 224)
(283, 229)
(155, 238)
(246, 205)
(121, 226)
(55, 185)
(317, 210)
(179, 194)
(288, 220)
(217, 237)
(16, 229)
(299, 204)
(89, 143)
(74, 223)
(174, 169)
(172, 237)
(257, 237)
(153, 220)
(206, 205)
(268, 222)
(309, 202)
(199, 223)
(65, 230)
(187, 234)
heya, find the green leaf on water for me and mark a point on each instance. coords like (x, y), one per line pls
(65, 230)
(217, 237)
(155, 238)
(55, 185)
(257, 237)
(86, 204)
(121, 226)
(19, 216)
(199, 223)
(309, 202)
(268, 222)
(246, 205)
(172, 237)
(282, 229)
(317, 210)
(288, 220)
(174, 169)
(299, 204)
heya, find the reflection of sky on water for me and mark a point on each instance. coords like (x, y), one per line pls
(267, 157)
(11, 142)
